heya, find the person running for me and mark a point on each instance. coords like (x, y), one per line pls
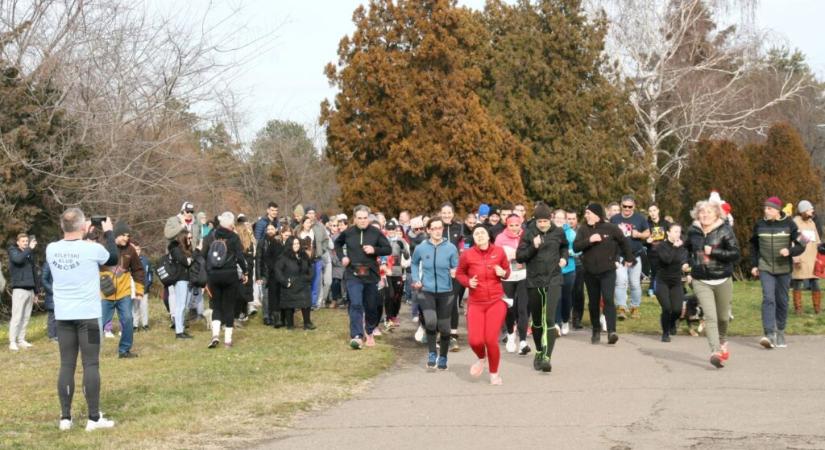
(223, 258)
(599, 243)
(658, 233)
(180, 251)
(481, 269)
(712, 251)
(515, 287)
(636, 230)
(774, 243)
(568, 273)
(544, 250)
(434, 263)
(395, 275)
(359, 248)
(578, 287)
(672, 262)
(74, 264)
(453, 231)
(294, 270)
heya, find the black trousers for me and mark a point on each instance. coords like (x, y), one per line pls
(82, 336)
(518, 314)
(578, 295)
(543, 303)
(670, 296)
(225, 290)
(601, 285)
(437, 310)
(392, 300)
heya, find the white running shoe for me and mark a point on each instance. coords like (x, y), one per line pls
(13, 347)
(565, 328)
(109, 335)
(65, 424)
(511, 343)
(24, 344)
(603, 321)
(102, 423)
(419, 334)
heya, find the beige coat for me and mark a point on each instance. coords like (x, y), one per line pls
(803, 268)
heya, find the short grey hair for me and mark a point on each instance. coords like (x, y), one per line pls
(361, 208)
(629, 198)
(72, 220)
(708, 205)
(226, 220)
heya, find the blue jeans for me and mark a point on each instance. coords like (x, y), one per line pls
(182, 297)
(363, 306)
(633, 276)
(774, 301)
(316, 281)
(124, 313)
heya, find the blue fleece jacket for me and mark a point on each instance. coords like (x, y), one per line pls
(431, 265)
(570, 234)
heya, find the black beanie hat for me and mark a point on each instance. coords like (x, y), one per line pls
(596, 209)
(542, 211)
(121, 228)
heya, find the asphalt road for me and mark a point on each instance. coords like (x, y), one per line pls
(641, 393)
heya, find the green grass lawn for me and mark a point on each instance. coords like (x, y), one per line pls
(179, 394)
(747, 312)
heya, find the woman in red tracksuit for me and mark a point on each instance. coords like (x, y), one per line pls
(481, 269)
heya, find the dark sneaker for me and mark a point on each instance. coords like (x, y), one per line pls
(717, 361)
(665, 338)
(612, 338)
(309, 326)
(432, 358)
(537, 362)
(596, 338)
(524, 350)
(183, 336)
(545, 365)
(442, 363)
(127, 355)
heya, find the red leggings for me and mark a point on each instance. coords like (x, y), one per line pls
(483, 328)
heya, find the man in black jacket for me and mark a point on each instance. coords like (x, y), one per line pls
(599, 243)
(21, 269)
(359, 248)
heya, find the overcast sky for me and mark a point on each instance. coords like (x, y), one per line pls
(286, 81)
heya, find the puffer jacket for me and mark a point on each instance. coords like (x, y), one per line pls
(21, 268)
(543, 263)
(128, 268)
(771, 236)
(479, 263)
(724, 254)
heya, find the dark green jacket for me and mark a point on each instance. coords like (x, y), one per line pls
(771, 236)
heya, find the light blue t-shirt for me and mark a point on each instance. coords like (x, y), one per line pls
(75, 269)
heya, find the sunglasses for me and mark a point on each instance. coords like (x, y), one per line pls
(628, 206)
(418, 229)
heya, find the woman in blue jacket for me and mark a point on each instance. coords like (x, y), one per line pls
(433, 267)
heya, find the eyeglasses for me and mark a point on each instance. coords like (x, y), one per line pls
(418, 229)
(628, 206)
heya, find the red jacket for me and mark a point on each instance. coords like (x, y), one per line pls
(482, 263)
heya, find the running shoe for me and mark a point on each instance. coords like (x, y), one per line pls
(621, 313)
(100, 424)
(511, 343)
(25, 344)
(376, 332)
(612, 338)
(356, 344)
(603, 322)
(545, 365)
(717, 361)
(432, 357)
(767, 342)
(565, 328)
(442, 363)
(780, 340)
(454, 345)
(477, 368)
(725, 353)
(65, 424)
(495, 379)
(524, 349)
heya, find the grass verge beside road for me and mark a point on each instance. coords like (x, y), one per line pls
(179, 394)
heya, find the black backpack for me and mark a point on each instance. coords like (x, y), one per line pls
(219, 256)
(167, 271)
(197, 271)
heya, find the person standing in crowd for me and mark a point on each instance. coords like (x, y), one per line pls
(337, 288)
(578, 287)
(483, 213)
(515, 287)
(322, 270)
(180, 251)
(600, 243)
(46, 282)
(244, 305)
(481, 269)
(24, 286)
(712, 251)
(306, 233)
(359, 247)
(544, 250)
(404, 221)
(810, 229)
(453, 231)
(613, 209)
(521, 210)
(658, 234)
(140, 308)
(74, 264)
(185, 219)
(416, 236)
(204, 228)
(128, 270)
(672, 262)
(774, 243)
(293, 270)
(635, 229)
(270, 249)
(222, 262)
(259, 231)
(395, 276)
(297, 216)
(494, 224)
(568, 273)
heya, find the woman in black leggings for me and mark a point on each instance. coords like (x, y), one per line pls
(672, 261)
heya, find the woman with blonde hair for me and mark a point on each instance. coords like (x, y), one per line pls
(248, 246)
(712, 252)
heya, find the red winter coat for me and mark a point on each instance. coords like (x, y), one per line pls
(482, 263)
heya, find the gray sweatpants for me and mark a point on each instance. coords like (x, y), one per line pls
(21, 311)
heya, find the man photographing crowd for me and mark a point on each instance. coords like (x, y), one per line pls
(75, 263)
